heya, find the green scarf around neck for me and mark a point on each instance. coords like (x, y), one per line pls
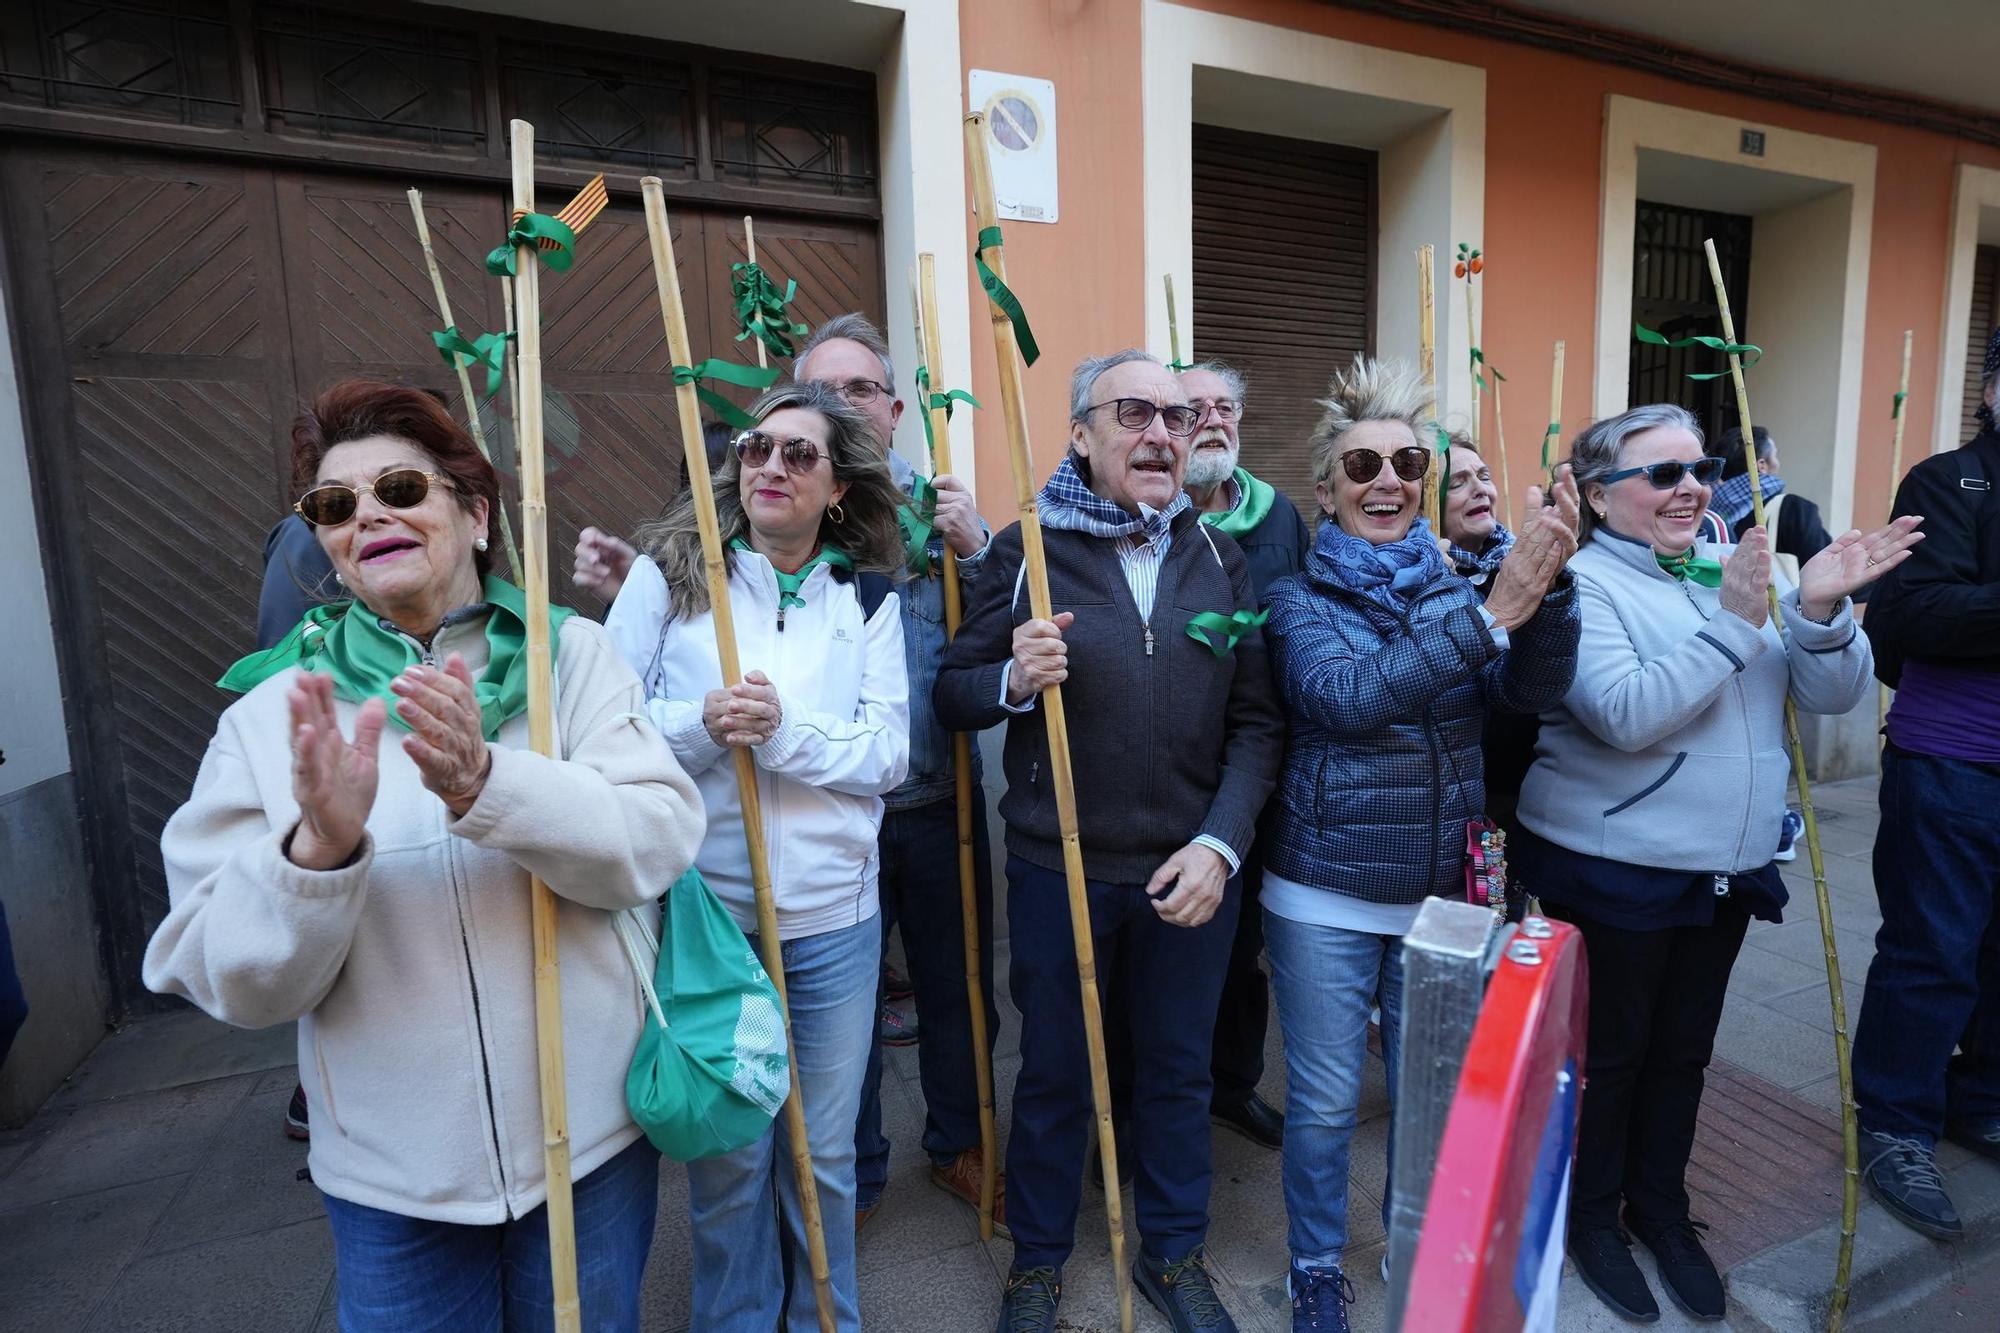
(789, 584)
(1250, 511)
(348, 642)
(1691, 568)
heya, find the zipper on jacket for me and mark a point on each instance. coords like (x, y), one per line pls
(781, 617)
(479, 1031)
(1149, 638)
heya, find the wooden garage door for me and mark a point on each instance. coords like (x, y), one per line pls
(174, 316)
(1284, 282)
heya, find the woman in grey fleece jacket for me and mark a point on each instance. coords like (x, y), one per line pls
(1652, 812)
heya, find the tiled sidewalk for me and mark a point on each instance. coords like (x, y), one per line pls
(139, 1199)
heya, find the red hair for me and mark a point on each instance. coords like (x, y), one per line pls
(358, 409)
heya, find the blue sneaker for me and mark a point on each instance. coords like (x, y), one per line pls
(1789, 833)
(1320, 1297)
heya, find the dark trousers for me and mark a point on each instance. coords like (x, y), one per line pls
(920, 893)
(1244, 1015)
(1655, 1002)
(1170, 978)
(1935, 982)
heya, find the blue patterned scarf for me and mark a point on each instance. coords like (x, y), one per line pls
(1067, 503)
(1732, 497)
(1479, 567)
(1390, 575)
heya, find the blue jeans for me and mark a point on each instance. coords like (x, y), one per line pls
(1326, 980)
(1171, 977)
(1934, 985)
(734, 1201)
(400, 1274)
(920, 893)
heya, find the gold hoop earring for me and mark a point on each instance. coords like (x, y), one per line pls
(836, 513)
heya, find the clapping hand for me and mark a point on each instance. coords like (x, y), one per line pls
(602, 562)
(333, 779)
(1851, 561)
(447, 732)
(744, 715)
(1746, 578)
(1546, 542)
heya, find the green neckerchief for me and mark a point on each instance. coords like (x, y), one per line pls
(363, 657)
(1251, 509)
(1692, 568)
(789, 584)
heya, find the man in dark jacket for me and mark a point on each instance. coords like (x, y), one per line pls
(1274, 540)
(1174, 739)
(1934, 985)
(1797, 530)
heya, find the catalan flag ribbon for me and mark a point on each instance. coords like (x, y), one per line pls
(554, 238)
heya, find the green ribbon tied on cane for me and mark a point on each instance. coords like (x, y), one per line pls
(1896, 412)
(1444, 463)
(1750, 352)
(531, 229)
(918, 520)
(1003, 298)
(760, 309)
(488, 349)
(929, 400)
(729, 372)
(1478, 360)
(1219, 633)
(1550, 438)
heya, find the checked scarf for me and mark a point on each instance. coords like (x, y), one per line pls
(1478, 567)
(1067, 503)
(1732, 497)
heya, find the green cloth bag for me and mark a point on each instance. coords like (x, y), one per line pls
(710, 1070)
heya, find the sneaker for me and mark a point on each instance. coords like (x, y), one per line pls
(1685, 1267)
(1183, 1291)
(894, 1028)
(1789, 832)
(1028, 1305)
(1982, 1136)
(895, 985)
(1903, 1176)
(295, 1116)
(960, 1178)
(1603, 1257)
(1320, 1297)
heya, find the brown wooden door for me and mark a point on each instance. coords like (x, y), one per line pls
(1284, 282)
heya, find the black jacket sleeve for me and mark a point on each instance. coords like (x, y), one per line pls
(967, 695)
(1940, 603)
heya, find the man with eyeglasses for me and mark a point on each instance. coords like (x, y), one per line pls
(1174, 740)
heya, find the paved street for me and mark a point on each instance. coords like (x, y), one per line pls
(157, 1191)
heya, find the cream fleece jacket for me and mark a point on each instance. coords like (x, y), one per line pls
(411, 972)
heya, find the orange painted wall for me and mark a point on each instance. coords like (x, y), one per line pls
(1082, 279)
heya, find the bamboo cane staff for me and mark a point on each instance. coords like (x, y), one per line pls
(1173, 327)
(925, 295)
(1013, 404)
(541, 736)
(1500, 443)
(477, 427)
(1433, 505)
(1472, 340)
(756, 319)
(667, 278)
(1895, 480)
(1850, 1147)
(1553, 439)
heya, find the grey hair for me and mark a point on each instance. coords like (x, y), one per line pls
(1231, 377)
(1371, 390)
(1594, 454)
(856, 328)
(1083, 380)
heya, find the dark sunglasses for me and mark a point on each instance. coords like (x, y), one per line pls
(1364, 465)
(1138, 413)
(753, 450)
(333, 504)
(1666, 476)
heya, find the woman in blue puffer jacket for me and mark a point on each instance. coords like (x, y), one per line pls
(1388, 663)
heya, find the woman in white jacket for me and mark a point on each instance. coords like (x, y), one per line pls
(379, 893)
(1652, 813)
(809, 517)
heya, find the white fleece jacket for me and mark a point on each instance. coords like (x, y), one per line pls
(843, 741)
(411, 972)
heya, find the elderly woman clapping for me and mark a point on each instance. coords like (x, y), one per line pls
(1388, 662)
(1653, 810)
(356, 855)
(807, 510)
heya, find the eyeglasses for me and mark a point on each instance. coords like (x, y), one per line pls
(1364, 465)
(333, 504)
(1226, 409)
(1665, 476)
(1138, 413)
(859, 393)
(753, 450)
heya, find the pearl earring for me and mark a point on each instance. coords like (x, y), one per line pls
(337, 578)
(479, 545)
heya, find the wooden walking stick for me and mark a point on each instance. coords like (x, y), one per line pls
(459, 363)
(667, 278)
(1014, 407)
(1173, 328)
(1895, 480)
(1500, 443)
(541, 736)
(1552, 440)
(750, 255)
(1468, 267)
(1432, 498)
(936, 407)
(1850, 1146)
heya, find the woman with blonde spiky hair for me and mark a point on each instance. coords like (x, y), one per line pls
(1388, 663)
